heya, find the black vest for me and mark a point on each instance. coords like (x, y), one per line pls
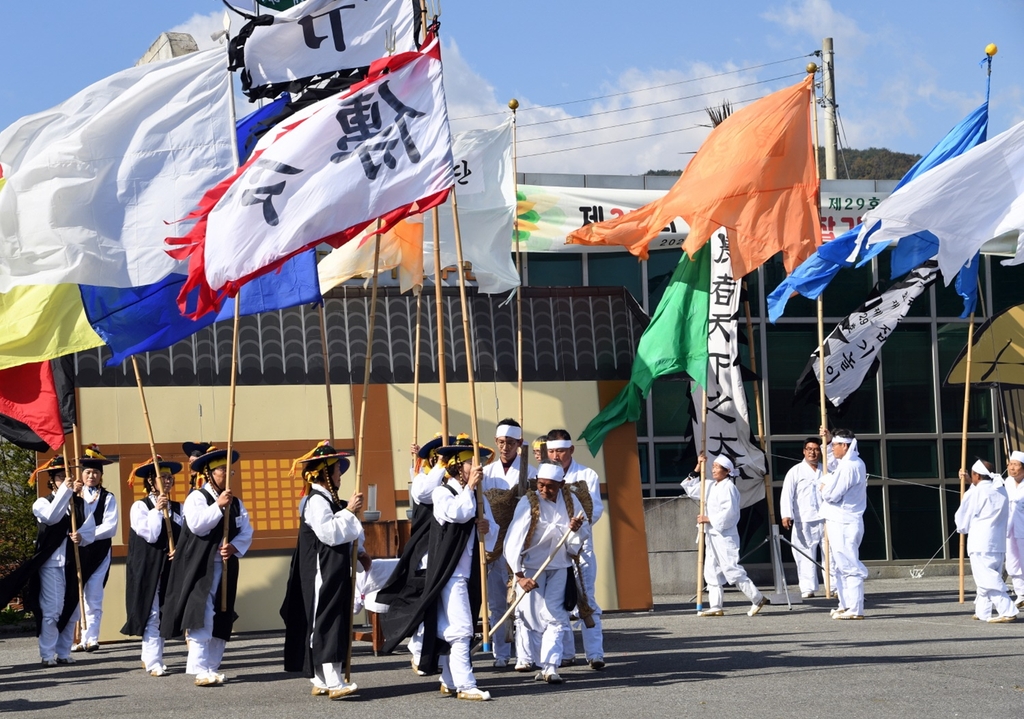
(146, 569)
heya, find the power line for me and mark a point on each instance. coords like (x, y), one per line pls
(632, 122)
(643, 89)
(663, 102)
(612, 142)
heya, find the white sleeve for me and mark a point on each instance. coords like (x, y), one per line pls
(965, 512)
(201, 517)
(331, 528)
(456, 509)
(515, 536)
(52, 512)
(594, 485)
(788, 498)
(87, 530)
(424, 485)
(108, 527)
(491, 538)
(838, 483)
(576, 540)
(146, 522)
(242, 540)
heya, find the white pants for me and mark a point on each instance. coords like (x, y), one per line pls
(94, 603)
(328, 676)
(543, 620)
(497, 605)
(844, 545)
(455, 626)
(205, 651)
(416, 644)
(593, 637)
(806, 538)
(722, 566)
(51, 600)
(1015, 564)
(152, 642)
(987, 570)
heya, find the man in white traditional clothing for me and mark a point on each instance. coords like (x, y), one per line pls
(1014, 485)
(844, 497)
(503, 474)
(722, 540)
(560, 449)
(541, 519)
(799, 509)
(982, 516)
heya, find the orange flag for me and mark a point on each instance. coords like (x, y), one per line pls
(754, 175)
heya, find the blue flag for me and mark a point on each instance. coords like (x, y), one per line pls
(140, 319)
(814, 274)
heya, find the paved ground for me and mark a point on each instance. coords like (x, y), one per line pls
(918, 654)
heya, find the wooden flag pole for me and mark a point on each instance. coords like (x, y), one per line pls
(152, 450)
(701, 539)
(74, 525)
(486, 642)
(231, 438)
(963, 444)
(371, 321)
(439, 303)
(416, 370)
(827, 569)
(327, 372)
(524, 446)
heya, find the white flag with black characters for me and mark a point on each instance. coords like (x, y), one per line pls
(321, 37)
(728, 430)
(856, 343)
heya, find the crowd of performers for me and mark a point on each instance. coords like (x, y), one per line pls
(825, 497)
(534, 530)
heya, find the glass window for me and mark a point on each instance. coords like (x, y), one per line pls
(615, 269)
(922, 306)
(1007, 288)
(951, 451)
(915, 521)
(873, 544)
(789, 348)
(784, 456)
(660, 266)
(846, 292)
(673, 462)
(554, 269)
(912, 459)
(948, 303)
(753, 281)
(671, 405)
(641, 424)
(774, 272)
(645, 473)
(952, 340)
(870, 451)
(907, 374)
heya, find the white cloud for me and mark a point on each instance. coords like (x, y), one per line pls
(819, 19)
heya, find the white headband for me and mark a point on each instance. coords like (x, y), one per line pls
(842, 440)
(547, 470)
(1018, 456)
(507, 430)
(726, 464)
(979, 468)
(559, 444)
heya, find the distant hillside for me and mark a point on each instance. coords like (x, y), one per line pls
(874, 163)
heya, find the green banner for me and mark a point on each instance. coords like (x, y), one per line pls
(278, 4)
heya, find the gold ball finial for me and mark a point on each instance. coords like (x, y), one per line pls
(513, 104)
(991, 49)
(811, 68)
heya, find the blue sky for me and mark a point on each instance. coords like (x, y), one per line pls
(905, 71)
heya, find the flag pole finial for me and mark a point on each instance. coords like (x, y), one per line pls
(811, 68)
(991, 49)
(513, 104)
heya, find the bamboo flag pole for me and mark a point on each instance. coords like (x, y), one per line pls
(524, 445)
(327, 372)
(769, 496)
(416, 369)
(74, 524)
(826, 556)
(231, 438)
(439, 311)
(701, 540)
(361, 437)
(152, 450)
(473, 422)
(963, 444)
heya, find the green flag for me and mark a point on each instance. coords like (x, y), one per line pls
(675, 341)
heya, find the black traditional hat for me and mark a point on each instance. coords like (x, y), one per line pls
(323, 455)
(145, 470)
(53, 465)
(93, 458)
(462, 449)
(433, 445)
(195, 449)
(213, 455)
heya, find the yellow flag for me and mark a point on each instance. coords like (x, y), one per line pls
(43, 322)
(401, 247)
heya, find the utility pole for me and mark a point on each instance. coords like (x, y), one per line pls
(828, 82)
